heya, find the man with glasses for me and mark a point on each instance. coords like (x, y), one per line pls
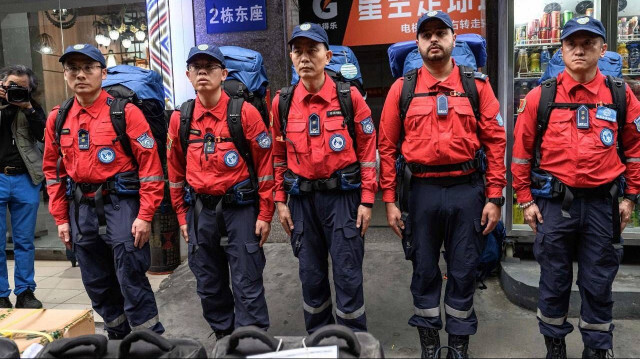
(587, 146)
(324, 160)
(225, 217)
(109, 225)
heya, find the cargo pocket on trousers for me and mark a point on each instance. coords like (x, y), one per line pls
(538, 247)
(408, 244)
(296, 237)
(255, 261)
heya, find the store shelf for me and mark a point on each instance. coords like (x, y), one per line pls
(528, 76)
(628, 38)
(628, 72)
(536, 43)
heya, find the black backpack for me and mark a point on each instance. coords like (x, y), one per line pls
(547, 103)
(344, 98)
(234, 121)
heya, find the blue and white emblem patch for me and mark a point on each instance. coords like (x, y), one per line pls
(146, 141)
(606, 136)
(109, 101)
(500, 120)
(231, 158)
(637, 122)
(337, 142)
(106, 155)
(264, 141)
(367, 126)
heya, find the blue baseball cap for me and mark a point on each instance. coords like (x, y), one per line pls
(84, 49)
(583, 23)
(435, 15)
(209, 50)
(311, 31)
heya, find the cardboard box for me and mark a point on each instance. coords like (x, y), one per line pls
(30, 326)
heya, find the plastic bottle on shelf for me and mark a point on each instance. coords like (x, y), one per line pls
(523, 90)
(634, 56)
(534, 62)
(623, 27)
(523, 66)
(624, 53)
(545, 57)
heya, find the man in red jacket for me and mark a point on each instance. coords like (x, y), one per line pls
(86, 166)
(325, 161)
(442, 135)
(209, 168)
(566, 181)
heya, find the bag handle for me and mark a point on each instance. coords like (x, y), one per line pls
(147, 336)
(252, 332)
(61, 347)
(337, 331)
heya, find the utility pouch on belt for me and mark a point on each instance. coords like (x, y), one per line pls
(189, 195)
(403, 182)
(244, 193)
(291, 182)
(71, 188)
(481, 157)
(126, 183)
(544, 184)
(350, 177)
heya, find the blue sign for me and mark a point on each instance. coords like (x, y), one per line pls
(235, 15)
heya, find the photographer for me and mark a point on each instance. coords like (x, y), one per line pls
(22, 122)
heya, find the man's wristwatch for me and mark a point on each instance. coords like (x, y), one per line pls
(497, 201)
(632, 197)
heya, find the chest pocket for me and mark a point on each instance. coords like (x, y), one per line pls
(297, 136)
(419, 121)
(227, 157)
(604, 133)
(464, 123)
(337, 136)
(66, 147)
(559, 129)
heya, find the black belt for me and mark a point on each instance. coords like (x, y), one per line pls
(448, 181)
(321, 185)
(13, 170)
(463, 166)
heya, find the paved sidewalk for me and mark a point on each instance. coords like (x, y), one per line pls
(59, 286)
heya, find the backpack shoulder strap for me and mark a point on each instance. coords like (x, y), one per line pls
(61, 117)
(234, 121)
(186, 114)
(116, 113)
(468, 78)
(346, 106)
(619, 95)
(547, 96)
(286, 95)
(406, 95)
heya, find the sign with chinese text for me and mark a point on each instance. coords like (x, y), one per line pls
(372, 22)
(235, 15)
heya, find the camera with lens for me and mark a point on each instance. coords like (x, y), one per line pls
(17, 93)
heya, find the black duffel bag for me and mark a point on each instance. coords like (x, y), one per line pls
(138, 344)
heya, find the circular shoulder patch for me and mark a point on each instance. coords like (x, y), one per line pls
(337, 142)
(264, 141)
(106, 155)
(349, 71)
(231, 158)
(606, 136)
(367, 126)
(432, 13)
(305, 27)
(583, 20)
(203, 47)
(78, 46)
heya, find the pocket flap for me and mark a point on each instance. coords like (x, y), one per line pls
(66, 141)
(419, 110)
(296, 126)
(350, 231)
(334, 125)
(252, 247)
(103, 140)
(463, 110)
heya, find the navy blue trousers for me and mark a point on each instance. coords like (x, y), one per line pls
(210, 262)
(589, 234)
(449, 214)
(325, 224)
(113, 270)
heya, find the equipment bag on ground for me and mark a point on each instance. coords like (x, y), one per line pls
(343, 67)
(138, 344)
(247, 341)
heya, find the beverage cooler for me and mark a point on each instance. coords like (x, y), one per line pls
(529, 36)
